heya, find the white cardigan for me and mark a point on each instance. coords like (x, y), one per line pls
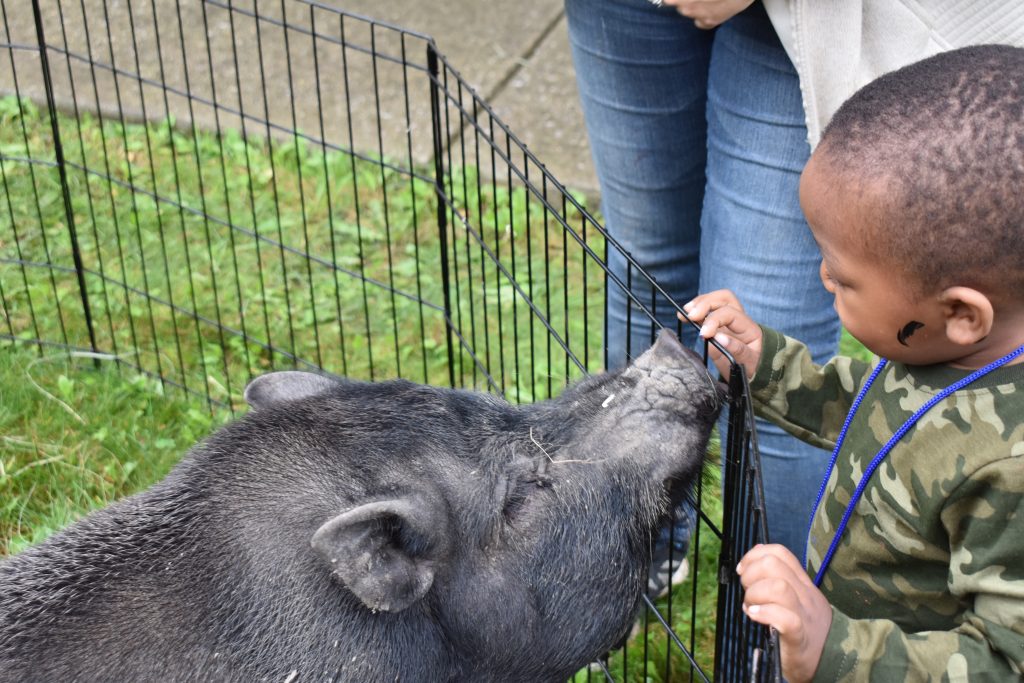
(838, 46)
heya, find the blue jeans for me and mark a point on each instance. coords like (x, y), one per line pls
(698, 139)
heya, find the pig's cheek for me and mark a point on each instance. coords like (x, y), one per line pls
(487, 603)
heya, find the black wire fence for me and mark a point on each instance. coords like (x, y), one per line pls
(203, 191)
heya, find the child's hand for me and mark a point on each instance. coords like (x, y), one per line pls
(723, 319)
(779, 593)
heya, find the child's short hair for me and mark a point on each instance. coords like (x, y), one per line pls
(946, 137)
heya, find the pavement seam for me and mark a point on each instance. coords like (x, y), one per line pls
(524, 58)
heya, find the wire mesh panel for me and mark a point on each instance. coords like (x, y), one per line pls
(206, 191)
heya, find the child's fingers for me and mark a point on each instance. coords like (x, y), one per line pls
(773, 552)
(771, 563)
(800, 613)
(721, 318)
(782, 619)
(740, 352)
(735, 333)
(777, 589)
(778, 593)
(731, 321)
(699, 307)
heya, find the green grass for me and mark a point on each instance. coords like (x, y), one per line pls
(74, 438)
(848, 346)
(235, 256)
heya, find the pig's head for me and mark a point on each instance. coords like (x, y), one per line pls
(521, 534)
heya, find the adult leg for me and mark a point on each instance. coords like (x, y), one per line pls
(755, 240)
(642, 77)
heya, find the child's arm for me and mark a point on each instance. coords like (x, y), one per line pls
(820, 643)
(984, 519)
(779, 593)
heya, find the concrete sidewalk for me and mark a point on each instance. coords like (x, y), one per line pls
(516, 55)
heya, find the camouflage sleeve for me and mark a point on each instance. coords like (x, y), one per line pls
(809, 401)
(985, 521)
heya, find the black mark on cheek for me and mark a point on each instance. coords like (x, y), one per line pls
(909, 329)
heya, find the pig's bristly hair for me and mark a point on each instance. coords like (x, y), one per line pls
(545, 458)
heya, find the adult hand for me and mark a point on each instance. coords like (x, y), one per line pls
(722, 318)
(778, 593)
(707, 14)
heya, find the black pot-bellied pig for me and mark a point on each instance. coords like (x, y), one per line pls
(374, 532)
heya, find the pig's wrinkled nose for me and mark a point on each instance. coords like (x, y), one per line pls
(671, 350)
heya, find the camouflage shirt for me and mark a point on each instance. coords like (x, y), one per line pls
(927, 582)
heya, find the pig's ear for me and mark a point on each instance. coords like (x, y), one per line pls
(287, 385)
(386, 552)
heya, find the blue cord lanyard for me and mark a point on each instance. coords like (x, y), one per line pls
(956, 386)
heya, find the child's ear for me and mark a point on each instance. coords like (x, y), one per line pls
(968, 314)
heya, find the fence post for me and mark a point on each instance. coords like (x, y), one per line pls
(62, 170)
(744, 650)
(442, 209)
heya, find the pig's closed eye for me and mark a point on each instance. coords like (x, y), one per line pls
(516, 495)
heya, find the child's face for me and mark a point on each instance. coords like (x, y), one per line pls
(872, 297)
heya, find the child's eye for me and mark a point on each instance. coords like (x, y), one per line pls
(826, 276)
(830, 279)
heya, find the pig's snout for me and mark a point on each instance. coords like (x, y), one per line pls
(678, 374)
(668, 349)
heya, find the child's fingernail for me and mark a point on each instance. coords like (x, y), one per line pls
(687, 306)
(722, 339)
(704, 330)
(739, 567)
(753, 609)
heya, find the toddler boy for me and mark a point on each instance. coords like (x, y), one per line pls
(915, 557)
